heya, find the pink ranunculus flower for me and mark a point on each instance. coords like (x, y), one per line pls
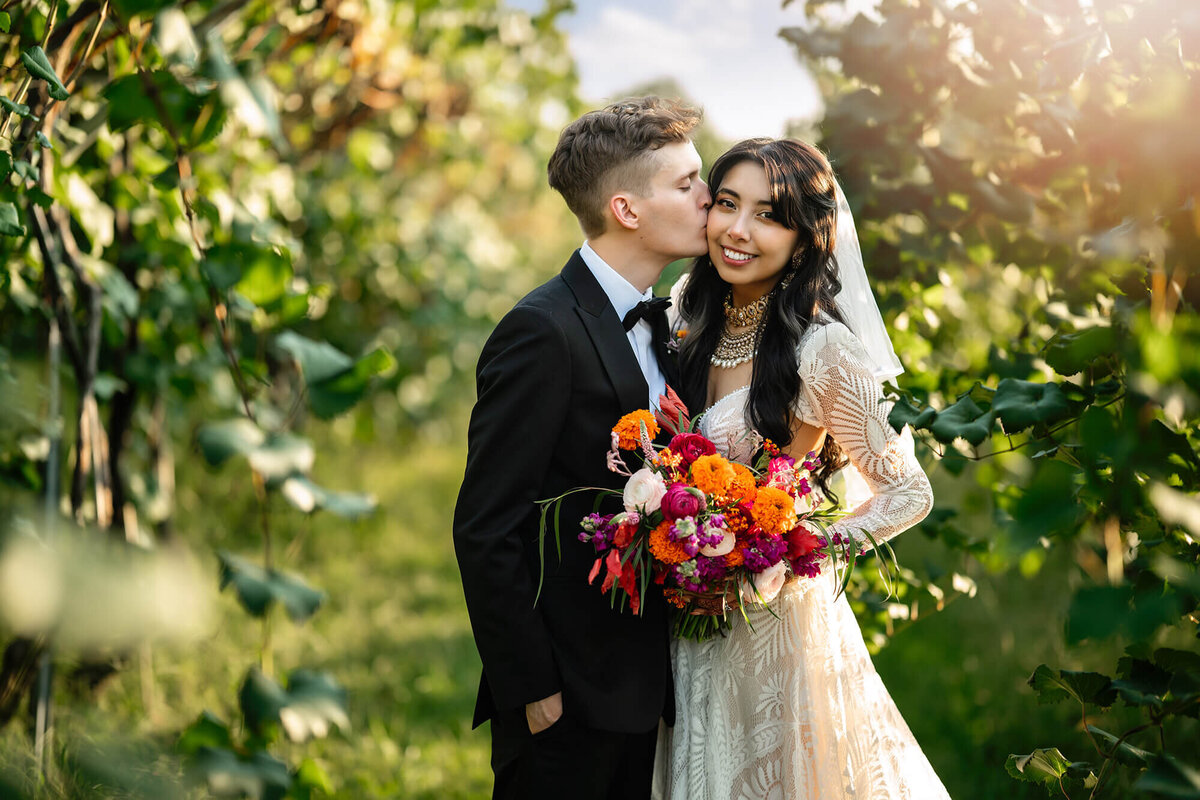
(682, 501)
(644, 491)
(766, 584)
(717, 550)
(691, 446)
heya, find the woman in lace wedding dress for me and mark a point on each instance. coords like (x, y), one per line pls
(794, 707)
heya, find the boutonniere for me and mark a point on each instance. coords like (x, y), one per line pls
(676, 339)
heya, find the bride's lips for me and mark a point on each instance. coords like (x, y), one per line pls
(736, 258)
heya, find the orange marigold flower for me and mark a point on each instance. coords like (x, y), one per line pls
(736, 522)
(735, 557)
(629, 428)
(712, 474)
(743, 488)
(664, 548)
(774, 510)
(675, 598)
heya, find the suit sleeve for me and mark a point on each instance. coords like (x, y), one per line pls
(523, 383)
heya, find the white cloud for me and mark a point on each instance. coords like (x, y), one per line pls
(726, 54)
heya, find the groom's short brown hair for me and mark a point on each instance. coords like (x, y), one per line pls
(611, 150)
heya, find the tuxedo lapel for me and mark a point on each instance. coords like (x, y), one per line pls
(608, 337)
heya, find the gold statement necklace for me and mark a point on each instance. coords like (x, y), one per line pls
(738, 348)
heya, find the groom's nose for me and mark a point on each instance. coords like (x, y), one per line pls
(705, 196)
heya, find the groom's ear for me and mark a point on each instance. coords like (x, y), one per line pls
(621, 207)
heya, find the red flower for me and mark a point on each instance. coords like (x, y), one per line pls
(801, 541)
(691, 446)
(624, 534)
(682, 501)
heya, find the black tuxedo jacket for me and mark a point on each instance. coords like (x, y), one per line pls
(553, 378)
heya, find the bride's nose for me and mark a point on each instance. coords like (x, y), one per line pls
(739, 229)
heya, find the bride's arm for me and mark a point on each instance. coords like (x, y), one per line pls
(848, 401)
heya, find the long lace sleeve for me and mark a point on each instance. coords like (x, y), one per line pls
(847, 401)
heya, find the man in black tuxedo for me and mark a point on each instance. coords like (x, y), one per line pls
(573, 687)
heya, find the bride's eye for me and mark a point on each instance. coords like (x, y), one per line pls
(724, 202)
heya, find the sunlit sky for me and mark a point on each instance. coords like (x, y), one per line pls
(726, 54)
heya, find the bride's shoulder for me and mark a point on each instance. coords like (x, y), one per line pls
(826, 336)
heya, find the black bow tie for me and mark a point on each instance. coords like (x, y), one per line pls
(646, 309)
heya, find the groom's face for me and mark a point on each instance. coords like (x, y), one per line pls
(672, 216)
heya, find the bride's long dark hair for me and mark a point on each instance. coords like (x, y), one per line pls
(804, 199)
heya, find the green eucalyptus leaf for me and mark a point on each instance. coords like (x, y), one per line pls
(339, 394)
(1124, 752)
(255, 775)
(905, 413)
(38, 197)
(281, 455)
(1169, 777)
(307, 496)
(965, 420)
(1071, 353)
(1048, 507)
(20, 109)
(257, 588)
(220, 441)
(43, 140)
(10, 223)
(265, 277)
(310, 707)
(5, 22)
(1022, 404)
(6, 163)
(26, 170)
(1142, 683)
(1053, 686)
(207, 731)
(194, 118)
(319, 361)
(311, 781)
(38, 65)
(1044, 765)
(1097, 612)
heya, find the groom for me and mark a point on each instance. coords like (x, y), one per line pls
(573, 687)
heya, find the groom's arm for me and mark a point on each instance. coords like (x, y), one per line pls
(523, 382)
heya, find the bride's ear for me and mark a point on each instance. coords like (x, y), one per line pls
(623, 212)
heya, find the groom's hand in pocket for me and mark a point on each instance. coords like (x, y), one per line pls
(544, 713)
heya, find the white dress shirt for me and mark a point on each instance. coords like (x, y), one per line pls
(624, 296)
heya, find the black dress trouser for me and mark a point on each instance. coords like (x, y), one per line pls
(568, 760)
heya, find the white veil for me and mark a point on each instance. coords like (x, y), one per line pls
(855, 300)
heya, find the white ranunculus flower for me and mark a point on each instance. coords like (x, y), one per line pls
(644, 491)
(766, 584)
(725, 545)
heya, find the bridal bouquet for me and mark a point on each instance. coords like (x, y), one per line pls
(716, 534)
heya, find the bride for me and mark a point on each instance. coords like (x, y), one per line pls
(784, 341)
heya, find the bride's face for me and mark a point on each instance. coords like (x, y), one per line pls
(746, 243)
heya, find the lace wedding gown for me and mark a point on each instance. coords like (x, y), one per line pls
(794, 709)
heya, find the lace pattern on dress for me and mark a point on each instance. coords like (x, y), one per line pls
(792, 708)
